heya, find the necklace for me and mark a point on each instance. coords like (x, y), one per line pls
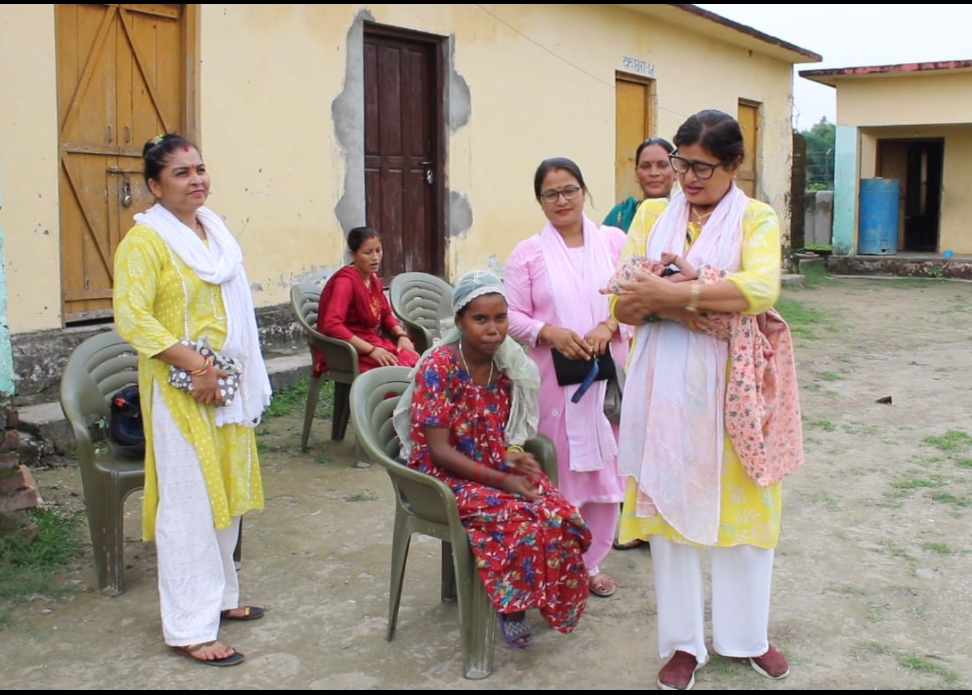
(466, 365)
(701, 218)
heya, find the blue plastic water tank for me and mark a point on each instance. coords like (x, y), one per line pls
(878, 220)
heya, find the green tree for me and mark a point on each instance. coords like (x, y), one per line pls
(820, 155)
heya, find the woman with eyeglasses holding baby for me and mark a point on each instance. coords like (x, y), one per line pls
(699, 484)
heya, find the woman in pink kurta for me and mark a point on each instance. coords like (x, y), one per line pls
(552, 281)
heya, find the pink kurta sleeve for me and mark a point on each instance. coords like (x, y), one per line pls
(518, 282)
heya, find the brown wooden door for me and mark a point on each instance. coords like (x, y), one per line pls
(748, 118)
(121, 79)
(402, 151)
(632, 115)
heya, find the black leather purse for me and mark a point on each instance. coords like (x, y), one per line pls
(573, 371)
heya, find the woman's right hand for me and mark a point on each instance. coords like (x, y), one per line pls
(383, 357)
(568, 342)
(519, 485)
(205, 388)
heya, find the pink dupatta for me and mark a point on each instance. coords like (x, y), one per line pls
(580, 306)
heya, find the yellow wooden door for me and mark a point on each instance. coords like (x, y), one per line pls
(748, 118)
(632, 126)
(122, 78)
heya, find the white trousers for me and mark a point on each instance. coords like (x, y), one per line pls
(741, 578)
(197, 575)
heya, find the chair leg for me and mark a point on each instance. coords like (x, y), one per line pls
(401, 538)
(477, 617)
(342, 410)
(106, 525)
(313, 392)
(448, 582)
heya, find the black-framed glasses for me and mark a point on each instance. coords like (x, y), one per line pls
(703, 170)
(568, 192)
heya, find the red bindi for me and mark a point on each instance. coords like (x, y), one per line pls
(185, 148)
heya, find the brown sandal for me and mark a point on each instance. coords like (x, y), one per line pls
(602, 585)
(190, 650)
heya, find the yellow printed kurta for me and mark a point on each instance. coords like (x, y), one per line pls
(749, 514)
(158, 300)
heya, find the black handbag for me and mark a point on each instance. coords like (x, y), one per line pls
(573, 371)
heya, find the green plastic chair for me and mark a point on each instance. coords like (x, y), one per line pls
(342, 363)
(420, 301)
(96, 369)
(426, 505)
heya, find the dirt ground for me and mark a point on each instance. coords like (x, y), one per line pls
(871, 584)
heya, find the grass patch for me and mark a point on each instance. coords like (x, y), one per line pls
(825, 425)
(964, 462)
(896, 550)
(293, 400)
(801, 318)
(922, 663)
(940, 548)
(30, 567)
(363, 496)
(917, 482)
(910, 283)
(949, 498)
(814, 275)
(812, 387)
(831, 376)
(953, 440)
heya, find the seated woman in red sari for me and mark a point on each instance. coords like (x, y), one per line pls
(471, 406)
(353, 307)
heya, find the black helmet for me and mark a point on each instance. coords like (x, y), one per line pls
(126, 433)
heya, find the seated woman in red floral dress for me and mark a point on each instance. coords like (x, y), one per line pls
(353, 307)
(472, 405)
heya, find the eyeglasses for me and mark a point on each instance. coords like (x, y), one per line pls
(569, 193)
(703, 170)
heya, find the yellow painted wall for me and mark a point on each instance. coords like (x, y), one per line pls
(29, 164)
(541, 83)
(901, 99)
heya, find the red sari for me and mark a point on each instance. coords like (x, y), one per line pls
(350, 309)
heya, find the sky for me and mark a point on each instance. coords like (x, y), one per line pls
(854, 35)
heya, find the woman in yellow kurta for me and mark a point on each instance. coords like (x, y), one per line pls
(687, 488)
(179, 275)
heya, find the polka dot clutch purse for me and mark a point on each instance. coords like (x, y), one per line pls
(229, 385)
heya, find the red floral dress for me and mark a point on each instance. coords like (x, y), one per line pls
(529, 553)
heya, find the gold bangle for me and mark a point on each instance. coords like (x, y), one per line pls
(514, 449)
(695, 292)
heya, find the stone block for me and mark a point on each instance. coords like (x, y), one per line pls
(13, 480)
(25, 498)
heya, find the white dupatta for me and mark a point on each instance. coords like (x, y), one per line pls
(672, 427)
(221, 263)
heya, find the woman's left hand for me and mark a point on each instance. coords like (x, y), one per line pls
(647, 294)
(405, 343)
(523, 462)
(599, 337)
